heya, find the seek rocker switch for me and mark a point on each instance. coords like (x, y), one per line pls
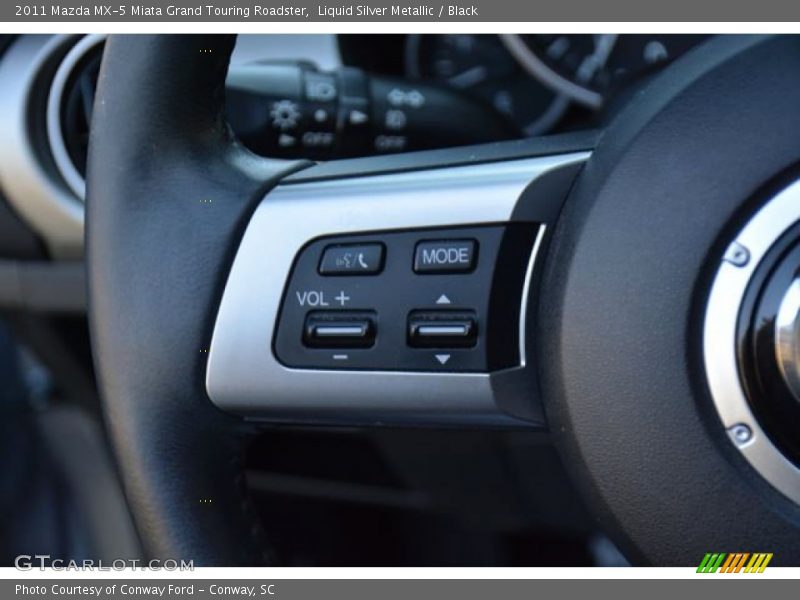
(442, 329)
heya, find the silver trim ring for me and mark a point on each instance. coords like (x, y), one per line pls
(719, 339)
(787, 338)
(55, 135)
(33, 189)
(29, 186)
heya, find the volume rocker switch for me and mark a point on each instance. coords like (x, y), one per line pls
(339, 329)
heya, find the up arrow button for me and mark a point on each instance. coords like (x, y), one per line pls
(443, 300)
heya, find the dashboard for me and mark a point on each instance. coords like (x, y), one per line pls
(324, 97)
(541, 83)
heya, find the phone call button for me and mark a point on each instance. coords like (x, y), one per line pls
(352, 259)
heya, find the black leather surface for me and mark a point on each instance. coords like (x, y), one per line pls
(625, 289)
(169, 193)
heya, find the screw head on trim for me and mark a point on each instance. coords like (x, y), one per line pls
(740, 433)
(737, 255)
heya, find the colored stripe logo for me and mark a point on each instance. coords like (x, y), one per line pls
(735, 562)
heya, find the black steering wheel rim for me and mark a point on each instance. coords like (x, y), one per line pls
(626, 286)
(160, 148)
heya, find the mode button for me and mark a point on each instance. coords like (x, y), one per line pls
(444, 256)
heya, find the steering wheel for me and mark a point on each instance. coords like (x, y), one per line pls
(632, 292)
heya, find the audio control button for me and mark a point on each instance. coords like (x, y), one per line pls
(442, 329)
(360, 259)
(339, 329)
(445, 256)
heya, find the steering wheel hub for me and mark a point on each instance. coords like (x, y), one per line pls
(654, 261)
(787, 338)
(751, 340)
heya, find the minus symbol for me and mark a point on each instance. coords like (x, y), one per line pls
(340, 357)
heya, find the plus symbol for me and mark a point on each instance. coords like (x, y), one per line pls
(342, 298)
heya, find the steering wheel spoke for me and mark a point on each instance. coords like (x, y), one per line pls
(431, 331)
